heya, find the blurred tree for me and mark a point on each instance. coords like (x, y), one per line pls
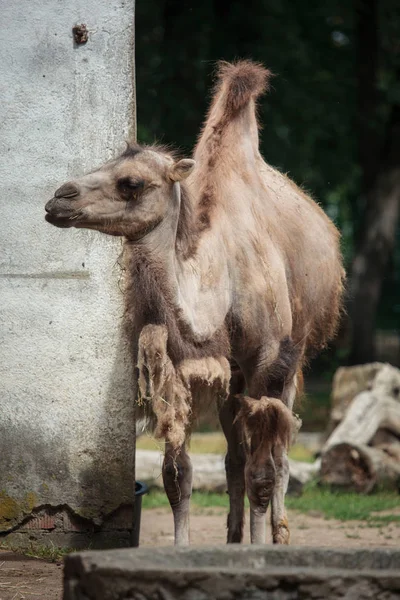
(379, 156)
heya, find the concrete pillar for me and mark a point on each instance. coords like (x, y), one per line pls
(66, 401)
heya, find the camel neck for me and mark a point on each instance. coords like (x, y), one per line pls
(169, 289)
(151, 264)
(159, 245)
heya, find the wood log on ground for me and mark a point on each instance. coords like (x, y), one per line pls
(366, 415)
(361, 468)
(347, 383)
(384, 437)
(364, 449)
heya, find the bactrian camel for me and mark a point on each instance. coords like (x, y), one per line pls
(234, 274)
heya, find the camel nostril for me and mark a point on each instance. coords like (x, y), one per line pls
(68, 190)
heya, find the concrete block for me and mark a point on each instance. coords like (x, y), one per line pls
(233, 573)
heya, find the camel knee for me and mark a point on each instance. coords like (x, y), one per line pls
(177, 478)
(266, 425)
(260, 482)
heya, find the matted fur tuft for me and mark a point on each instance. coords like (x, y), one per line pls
(265, 423)
(169, 394)
(159, 385)
(240, 82)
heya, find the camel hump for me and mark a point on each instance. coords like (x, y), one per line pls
(241, 82)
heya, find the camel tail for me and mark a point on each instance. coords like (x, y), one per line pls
(239, 83)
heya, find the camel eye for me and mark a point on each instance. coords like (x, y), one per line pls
(128, 186)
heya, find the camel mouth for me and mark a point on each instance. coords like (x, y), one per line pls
(59, 221)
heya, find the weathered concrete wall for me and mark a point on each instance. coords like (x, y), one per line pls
(233, 572)
(66, 423)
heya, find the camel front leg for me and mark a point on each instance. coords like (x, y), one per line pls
(279, 521)
(177, 477)
(260, 481)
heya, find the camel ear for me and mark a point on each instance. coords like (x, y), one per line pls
(182, 169)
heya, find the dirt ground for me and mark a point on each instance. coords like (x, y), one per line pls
(26, 578)
(22, 577)
(208, 526)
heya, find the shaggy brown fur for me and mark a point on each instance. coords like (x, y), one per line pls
(172, 394)
(149, 299)
(265, 422)
(160, 386)
(227, 262)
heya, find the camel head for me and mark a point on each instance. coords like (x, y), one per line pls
(128, 196)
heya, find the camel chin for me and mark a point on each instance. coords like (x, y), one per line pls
(62, 222)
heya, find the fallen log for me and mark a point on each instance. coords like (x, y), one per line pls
(361, 468)
(364, 449)
(347, 383)
(366, 415)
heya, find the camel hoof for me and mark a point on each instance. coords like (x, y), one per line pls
(281, 535)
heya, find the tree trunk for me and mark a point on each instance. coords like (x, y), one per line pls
(380, 191)
(367, 91)
(371, 260)
(361, 468)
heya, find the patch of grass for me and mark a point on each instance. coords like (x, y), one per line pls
(50, 553)
(300, 452)
(382, 519)
(148, 442)
(314, 501)
(214, 443)
(154, 499)
(208, 443)
(203, 500)
(201, 443)
(346, 506)
(208, 499)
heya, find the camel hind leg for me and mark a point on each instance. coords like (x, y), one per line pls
(267, 424)
(234, 467)
(279, 522)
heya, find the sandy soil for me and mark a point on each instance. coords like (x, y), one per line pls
(24, 578)
(208, 526)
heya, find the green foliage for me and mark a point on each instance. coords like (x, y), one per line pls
(158, 499)
(315, 499)
(49, 552)
(346, 506)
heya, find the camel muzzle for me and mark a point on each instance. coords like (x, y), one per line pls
(59, 212)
